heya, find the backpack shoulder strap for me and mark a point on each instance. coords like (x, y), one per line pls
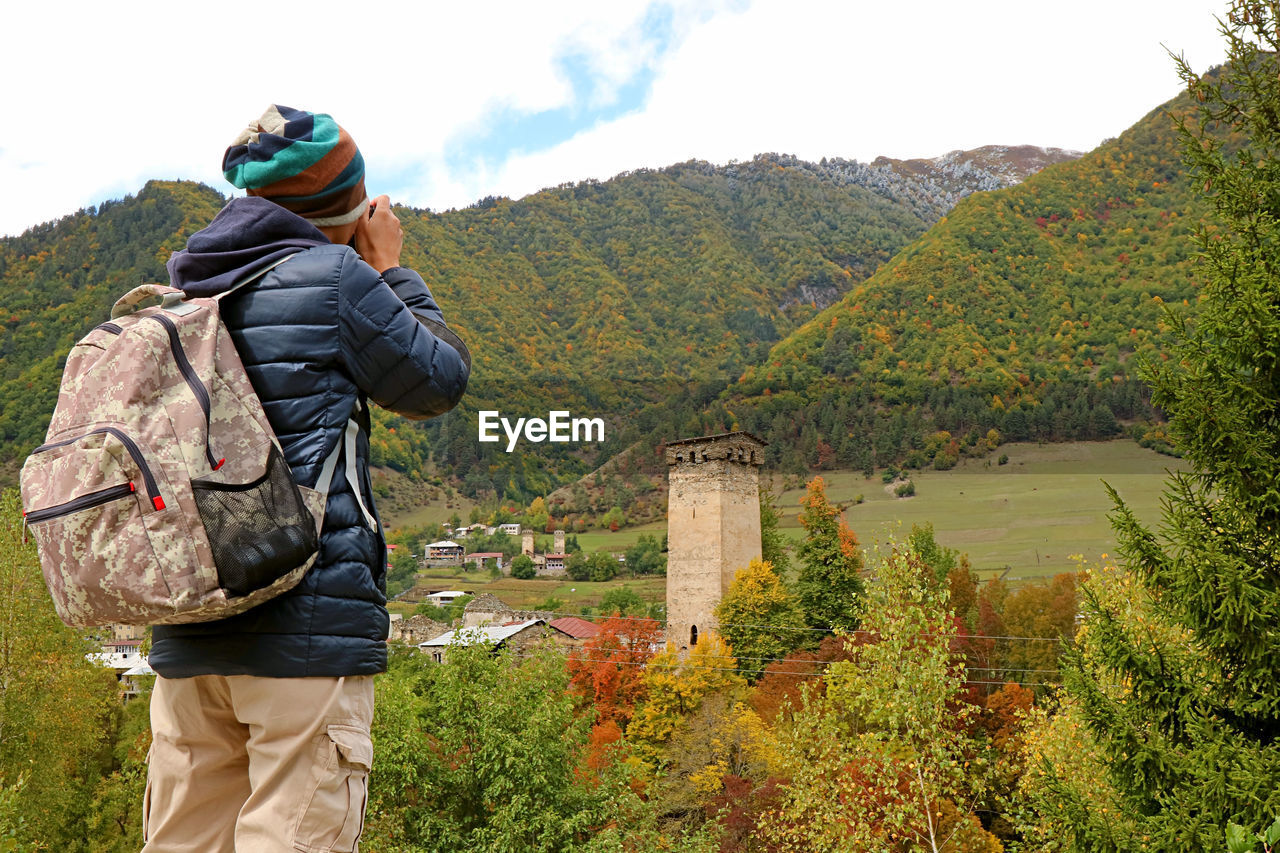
(253, 276)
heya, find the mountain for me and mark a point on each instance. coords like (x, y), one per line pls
(58, 280)
(1023, 310)
(604, 295)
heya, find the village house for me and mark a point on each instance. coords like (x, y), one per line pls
(486, 609)
(125, 658)
(445, 597)
(479, 557)
(576, 631)
(553, 565)
(515, 635)
(518, 635)
(414, 630)
(445, 549)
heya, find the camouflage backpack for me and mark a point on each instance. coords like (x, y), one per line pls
(160, 494)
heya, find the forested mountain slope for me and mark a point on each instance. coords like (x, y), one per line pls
(603, 294)
(60, 279)
(1022, 310)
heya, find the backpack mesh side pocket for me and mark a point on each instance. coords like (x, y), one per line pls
(260, 531)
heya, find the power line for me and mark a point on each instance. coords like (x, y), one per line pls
(813, 673)
(595, 619)
(650, 654)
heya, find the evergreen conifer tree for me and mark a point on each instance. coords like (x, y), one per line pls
(829, 582)
(1183, 696)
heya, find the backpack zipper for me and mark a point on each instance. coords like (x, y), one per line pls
(153, 490)
(192, 378)
(81, 503)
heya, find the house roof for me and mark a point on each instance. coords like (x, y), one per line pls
(143, 668)
(444, 543)
(557, 556)
(494, 634)
(579, 629)
(447, 593)
(119, 661)
(485, 554)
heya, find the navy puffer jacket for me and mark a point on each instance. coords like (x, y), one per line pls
(318, 335)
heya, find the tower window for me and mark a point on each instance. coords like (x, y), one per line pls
(693, 636)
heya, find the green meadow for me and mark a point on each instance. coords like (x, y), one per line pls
(1027, 517)
(1036, 515)
(526, 594)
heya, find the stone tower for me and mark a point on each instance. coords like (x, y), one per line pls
(526, 543)
(558, 547)
(713, 525)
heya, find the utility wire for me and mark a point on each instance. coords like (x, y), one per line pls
(709, 667)
(596, 619)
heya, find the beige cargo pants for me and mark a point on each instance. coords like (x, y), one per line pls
(243, 764)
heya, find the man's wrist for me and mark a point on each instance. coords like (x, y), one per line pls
(383, 265)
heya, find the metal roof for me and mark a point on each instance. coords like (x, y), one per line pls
(493, 634)
(575, 627)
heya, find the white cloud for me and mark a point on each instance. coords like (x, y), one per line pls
(859, 80)
(106, 96)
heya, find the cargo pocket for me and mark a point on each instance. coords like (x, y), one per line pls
(333, 817)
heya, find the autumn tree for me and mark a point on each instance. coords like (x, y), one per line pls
(829, 585)
(608, 671)
(537, 516)
(723, 738)
(883, 759)
(759, 619)
(676, 687)
(781, 690)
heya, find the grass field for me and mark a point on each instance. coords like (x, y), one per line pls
(433, 513)
(1029, 515)
(524, 594)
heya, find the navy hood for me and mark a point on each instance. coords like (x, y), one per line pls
(247, 235)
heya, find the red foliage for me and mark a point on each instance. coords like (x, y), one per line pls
(607, 671)
(738, 808)
(783, 682)
(605, 738)
(1001, 719)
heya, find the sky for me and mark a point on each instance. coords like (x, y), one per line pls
(452, 102)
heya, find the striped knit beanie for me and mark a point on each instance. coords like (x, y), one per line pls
(303, 162)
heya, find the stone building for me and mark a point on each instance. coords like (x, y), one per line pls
(713, 525)
(486, 609)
